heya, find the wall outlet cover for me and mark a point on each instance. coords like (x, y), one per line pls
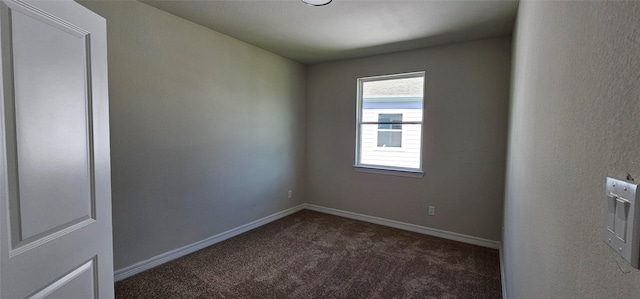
(622, 219)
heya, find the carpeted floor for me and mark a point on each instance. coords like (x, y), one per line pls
(315, 255)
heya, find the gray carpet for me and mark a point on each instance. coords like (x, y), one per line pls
(315, 255)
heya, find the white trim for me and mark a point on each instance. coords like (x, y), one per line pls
(389, 171)
(182, 251)
(407, 226)
(502, 277)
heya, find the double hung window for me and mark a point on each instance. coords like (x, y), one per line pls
(389, 122)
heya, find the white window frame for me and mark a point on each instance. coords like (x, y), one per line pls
(383, 169)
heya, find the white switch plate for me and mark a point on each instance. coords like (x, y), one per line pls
(432, 210)
(622, 219)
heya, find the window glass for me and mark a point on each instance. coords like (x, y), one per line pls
(389, 133)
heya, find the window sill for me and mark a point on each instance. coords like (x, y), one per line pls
(409, 173)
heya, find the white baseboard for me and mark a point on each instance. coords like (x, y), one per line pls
(182, 251)
(160, 259)
(407, 226)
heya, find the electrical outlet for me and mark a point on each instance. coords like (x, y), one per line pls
(290, 194)
(432, 210)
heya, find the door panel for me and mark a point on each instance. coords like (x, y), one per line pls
(52, 148)
(79, 283)
(55, 189)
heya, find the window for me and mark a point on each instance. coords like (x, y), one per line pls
(389, 134)
(389, 123)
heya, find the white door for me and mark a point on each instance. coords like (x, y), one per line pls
(55, 196)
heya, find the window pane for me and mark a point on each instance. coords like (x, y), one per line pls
(390, 118)
(392, 94)
(389, 139)
(396, 118)
(405, 156)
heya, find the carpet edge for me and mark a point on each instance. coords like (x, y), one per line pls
(168, 256)
(407, 226)
(160, 259)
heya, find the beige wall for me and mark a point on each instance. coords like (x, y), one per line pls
(465, 128)
(206, 131)
(575, 119)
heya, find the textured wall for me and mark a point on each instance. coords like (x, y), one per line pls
(465, 129)
(574, 120)
(206, 131)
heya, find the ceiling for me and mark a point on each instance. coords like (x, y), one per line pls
(347, 28)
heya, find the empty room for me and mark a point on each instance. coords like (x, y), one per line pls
(319, 149)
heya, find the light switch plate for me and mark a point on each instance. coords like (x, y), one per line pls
(622, 219)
